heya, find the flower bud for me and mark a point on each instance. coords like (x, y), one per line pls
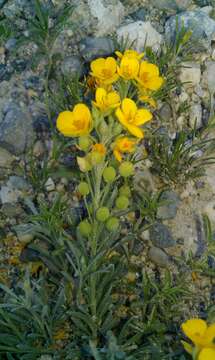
(83, 188)
(102, 214)
(112, 224)
(85, 228)
(117, 129)
(109, 174)
(131, 276)
(84, 143)
(103, 128)
(126, 169)
(122, 202)
(96, 158)
(125, 190)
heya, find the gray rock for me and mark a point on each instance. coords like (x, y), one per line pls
(195, 118)
(142, 34)
(166, 112)
(158, 257)
(107, 14)
(161, 236)
(6, 158)
(171, 5)
(210, 71)
(205, 2)
(72, 66)
(9, 195)
(11, 210)
(24, 232)
(169, 209)
(10, 44)
(19, 183)
(190, 74)
(201, 25)
(91, 47)
(16, 129)
(140, 14)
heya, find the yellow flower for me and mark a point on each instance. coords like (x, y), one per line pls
(131, 117)
(132, 54)
(104, 70)
(106, 101)
(149, 76)
(75, 123)
(146, 96)
(207, 354)
(100, 148)
(128, 68)
(200, 333)
(123, 145)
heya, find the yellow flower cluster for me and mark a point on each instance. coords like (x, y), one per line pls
(115, 111)
(203, 338)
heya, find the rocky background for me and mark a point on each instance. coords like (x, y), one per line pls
(24, 126)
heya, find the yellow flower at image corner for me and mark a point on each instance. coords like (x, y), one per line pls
(105, 101)
(104, 70)
(132, 54)
(207, 354)
(149, 76)
(132, 118)
(199, 333)
(123, 145)
(75, 123)
(128, 68)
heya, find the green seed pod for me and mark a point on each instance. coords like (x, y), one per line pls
(112, 224)
(83, 188)
(109, 174)
(85, 228)
(102, 214)
(122, 202)
(126, 169)
(125, 190)
(84, 143)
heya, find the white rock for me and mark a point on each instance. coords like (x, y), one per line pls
(50, 185)
(109, 14)
(210, 75)
(195, 118)
(190, 74)
(142, 33)
(181, 122)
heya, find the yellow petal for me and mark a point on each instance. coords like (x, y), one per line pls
(187, 347)
(64, 123)
(117, 155)
(135, 130)
(97, 66)
(142, 116)
(81, 110)
(129, 107)
(210, 335)
(110, 63)
(155, 83)
(100, 95)
(194, 329)
(121, 117)
(146, 67)
(207, 354)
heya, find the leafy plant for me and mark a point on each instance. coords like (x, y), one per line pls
(183, 158)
